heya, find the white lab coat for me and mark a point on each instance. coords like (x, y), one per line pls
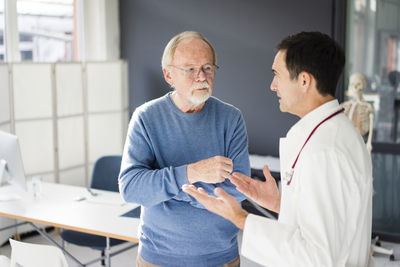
(326, 212)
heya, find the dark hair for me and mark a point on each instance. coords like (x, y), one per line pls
(317, 54)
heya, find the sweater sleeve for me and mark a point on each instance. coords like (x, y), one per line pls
(237, 150)
(139, 181)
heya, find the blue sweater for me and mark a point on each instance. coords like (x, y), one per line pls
(175, 229)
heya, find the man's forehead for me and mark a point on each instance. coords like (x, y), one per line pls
(192, 43)
(191, 51)
(279, 60)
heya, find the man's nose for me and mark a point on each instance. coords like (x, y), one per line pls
(273, 86)
(201, 76)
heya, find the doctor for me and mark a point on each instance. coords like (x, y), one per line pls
(326, 203)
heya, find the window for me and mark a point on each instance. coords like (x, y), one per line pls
(59, 30)
(46, 30)
(373, 48)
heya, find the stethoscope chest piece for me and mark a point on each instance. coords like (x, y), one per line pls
(288, 176)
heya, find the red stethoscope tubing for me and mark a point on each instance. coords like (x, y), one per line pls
(312, 132)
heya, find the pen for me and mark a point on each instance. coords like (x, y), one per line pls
(91, 192)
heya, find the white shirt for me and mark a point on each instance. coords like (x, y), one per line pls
(326, 211)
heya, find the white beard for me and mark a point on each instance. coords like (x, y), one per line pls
(198, 98)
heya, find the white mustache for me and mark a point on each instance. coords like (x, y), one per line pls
(199, 86)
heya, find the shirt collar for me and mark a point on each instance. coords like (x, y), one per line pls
(311, 119)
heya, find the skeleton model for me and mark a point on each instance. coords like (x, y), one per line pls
(360, 112)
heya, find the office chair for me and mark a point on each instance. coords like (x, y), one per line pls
(33, 255)
(104, 177)
(376, 248)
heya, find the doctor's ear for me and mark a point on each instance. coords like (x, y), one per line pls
(304, 79)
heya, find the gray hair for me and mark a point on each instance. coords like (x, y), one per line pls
(169, 50)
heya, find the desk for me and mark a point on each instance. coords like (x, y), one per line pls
(56, 207)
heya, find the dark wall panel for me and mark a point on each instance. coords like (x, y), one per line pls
(244, 34)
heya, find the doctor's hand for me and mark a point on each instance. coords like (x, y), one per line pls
(212, 170)
(225, 205)
(265, 194)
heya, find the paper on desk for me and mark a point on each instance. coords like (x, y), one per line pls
(258, 162)
(105, 199)
(10, 196)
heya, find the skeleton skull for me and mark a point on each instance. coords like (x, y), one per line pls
(357, 84)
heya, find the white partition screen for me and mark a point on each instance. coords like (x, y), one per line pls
(70, 122)
(66, 115)
(106, 108)
(33, 116)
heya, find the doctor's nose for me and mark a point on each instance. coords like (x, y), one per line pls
(273, 86)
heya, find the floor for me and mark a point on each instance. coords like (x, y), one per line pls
(127, 258)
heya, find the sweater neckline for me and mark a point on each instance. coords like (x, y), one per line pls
(180, 113)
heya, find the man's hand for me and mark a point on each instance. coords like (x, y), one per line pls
(225, 205)
(265, 194)
(212, 170)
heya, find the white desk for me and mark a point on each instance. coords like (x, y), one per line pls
(57, 207)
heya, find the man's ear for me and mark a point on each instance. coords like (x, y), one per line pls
(305, 79)
(167, 76)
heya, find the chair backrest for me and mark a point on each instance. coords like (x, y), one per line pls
(33, 255)
(105, 173)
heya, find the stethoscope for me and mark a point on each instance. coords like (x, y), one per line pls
(289, 174)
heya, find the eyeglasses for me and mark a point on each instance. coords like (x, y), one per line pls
(193, 72)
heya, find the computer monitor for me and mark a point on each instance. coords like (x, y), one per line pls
(11, 167)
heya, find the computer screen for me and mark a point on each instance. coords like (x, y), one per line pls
(11, 167)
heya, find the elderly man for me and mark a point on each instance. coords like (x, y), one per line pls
(186, 136)
(325, 209)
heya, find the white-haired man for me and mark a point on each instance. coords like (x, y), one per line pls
(185, 136)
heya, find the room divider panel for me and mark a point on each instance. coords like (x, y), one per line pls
(66, 116)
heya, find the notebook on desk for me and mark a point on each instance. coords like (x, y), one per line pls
(257, 163)
(134, 213)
